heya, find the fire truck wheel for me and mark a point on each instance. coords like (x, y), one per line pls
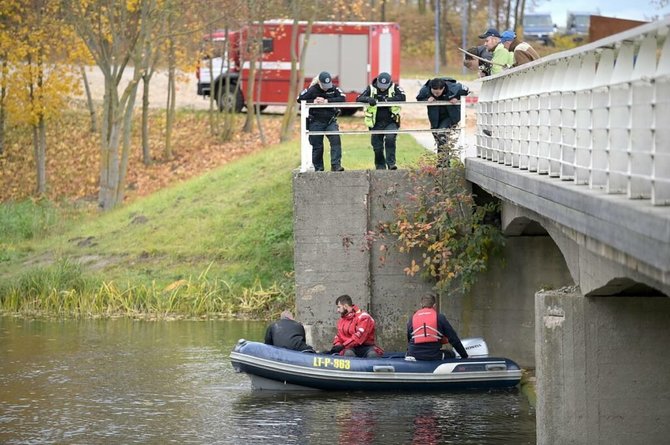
(233, 101)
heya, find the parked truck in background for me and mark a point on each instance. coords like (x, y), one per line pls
(539, 27)
(352, 52)
(577, 25)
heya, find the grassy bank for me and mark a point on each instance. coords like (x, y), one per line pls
(217, 245)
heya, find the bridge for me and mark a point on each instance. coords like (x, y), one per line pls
(576, 146)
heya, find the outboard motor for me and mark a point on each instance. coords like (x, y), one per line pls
(476, 347)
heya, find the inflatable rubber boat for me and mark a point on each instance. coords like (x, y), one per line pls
(273, 368)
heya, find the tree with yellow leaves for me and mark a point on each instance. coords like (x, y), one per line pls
(37, 75)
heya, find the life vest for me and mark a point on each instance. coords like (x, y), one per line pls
(424, 326)
(371, 111)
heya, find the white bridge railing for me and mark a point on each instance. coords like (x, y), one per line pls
(596, 115)
(306, 148)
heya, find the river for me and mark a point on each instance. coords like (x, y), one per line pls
(126, 381)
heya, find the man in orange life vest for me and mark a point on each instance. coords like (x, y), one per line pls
(355, 331)
(427, 331)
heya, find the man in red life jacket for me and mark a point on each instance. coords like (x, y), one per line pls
(355, 331)
(427, 331)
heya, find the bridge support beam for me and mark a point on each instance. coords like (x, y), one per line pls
(602, 368)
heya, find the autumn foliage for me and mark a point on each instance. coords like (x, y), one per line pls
(441, 222)
(74, 157)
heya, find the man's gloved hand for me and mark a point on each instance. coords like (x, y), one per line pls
(372, 102)
(336, 349)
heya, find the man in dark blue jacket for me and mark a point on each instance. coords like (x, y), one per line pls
(322, 91)
(447, 116)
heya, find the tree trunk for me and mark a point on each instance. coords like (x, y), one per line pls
(146, 150)
(40, 149)
(228, 129)
(508, 11)
(127, 128)
(252, 47)
(171, 96)
(3, 95)
(286, 127)
(109, 149)
(2, 119)
(421, 4)
(444, 32)
(259, 84)
(89, 101)
(519, 8)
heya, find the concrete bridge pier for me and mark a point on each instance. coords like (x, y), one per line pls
(602, 368)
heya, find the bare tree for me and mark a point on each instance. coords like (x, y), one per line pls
(297, 62)
(114, 34)
(170, 106)
(254, 51)
(519, 9)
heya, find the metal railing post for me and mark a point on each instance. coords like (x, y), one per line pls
(305, 147)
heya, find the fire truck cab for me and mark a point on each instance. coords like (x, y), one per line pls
(352, 52)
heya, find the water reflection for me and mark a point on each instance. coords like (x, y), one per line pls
(364, 418)
(121, 381)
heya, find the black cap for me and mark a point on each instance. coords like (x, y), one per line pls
(491, 32)
(383, 81)
(325, 80)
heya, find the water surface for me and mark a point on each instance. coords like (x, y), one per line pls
(125, 381)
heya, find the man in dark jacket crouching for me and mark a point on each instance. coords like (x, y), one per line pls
(287, 333)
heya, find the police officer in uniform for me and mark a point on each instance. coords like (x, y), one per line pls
(383, 89)
(322, 91)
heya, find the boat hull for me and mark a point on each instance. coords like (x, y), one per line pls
(275, 368)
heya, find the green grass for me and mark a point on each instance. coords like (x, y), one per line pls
(227, 235)
(26, 220)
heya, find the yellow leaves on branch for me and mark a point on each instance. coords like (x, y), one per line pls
(38, 76)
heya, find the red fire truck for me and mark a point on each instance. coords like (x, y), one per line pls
(352, 52)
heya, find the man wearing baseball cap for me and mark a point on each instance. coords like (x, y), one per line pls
(383, 89)
(522, 51)
(501, 57)
(322, 91)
